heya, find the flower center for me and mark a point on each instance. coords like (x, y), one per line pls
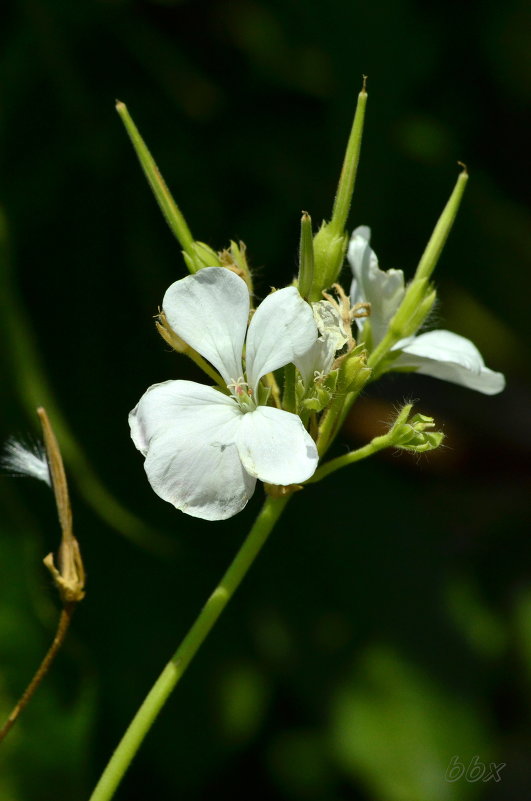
(242, 393)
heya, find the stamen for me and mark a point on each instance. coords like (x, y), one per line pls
(348, 314)
(360, 310)
(238, 384)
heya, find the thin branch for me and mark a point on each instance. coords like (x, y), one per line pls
(60, 634)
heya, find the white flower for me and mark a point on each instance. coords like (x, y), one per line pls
(440, 353)
(204, 450)
(318, 360)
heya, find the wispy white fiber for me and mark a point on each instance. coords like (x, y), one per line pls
(23, 459)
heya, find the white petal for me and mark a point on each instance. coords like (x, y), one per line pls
(383, 290)
(188, 433)
(320, 356)
(330, 324)
(161, 404)
(282, 329)
(209, 310)
(275, 447)
(443, 354)
(318, 359)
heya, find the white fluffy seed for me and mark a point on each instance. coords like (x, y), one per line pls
(22, 459)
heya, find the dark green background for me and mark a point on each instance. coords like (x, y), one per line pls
(387, 626)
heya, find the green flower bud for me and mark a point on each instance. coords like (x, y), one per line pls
(235, 258)
(200, 255)
(415, 434)
(353, 371)
(329, 252)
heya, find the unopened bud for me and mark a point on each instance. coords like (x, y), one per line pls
(415, 433)
(235, 258)
(353, 371)
(329, 249)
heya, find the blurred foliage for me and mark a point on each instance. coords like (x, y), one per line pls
(387, 626)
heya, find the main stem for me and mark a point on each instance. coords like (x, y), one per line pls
(159, 693)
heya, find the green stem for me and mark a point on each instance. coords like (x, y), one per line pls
(375, 445)
(289, 399)
(328, 426)
(206, 368)
(392, 437)
(333, 420)
(161, 690)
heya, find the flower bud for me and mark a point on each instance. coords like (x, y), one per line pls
(415, 434)
(353, 372)
(235, 258)
(329, 252)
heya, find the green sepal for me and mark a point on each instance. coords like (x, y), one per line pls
(313, 404)
(329, 250)
(236, 257)
(300, 390)
(353, 371)
(323, 395)
(331, 380)
(319, 399)
(199, 256)
(263, 394)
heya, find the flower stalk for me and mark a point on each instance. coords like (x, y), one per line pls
(168, 679)
(409, 434)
